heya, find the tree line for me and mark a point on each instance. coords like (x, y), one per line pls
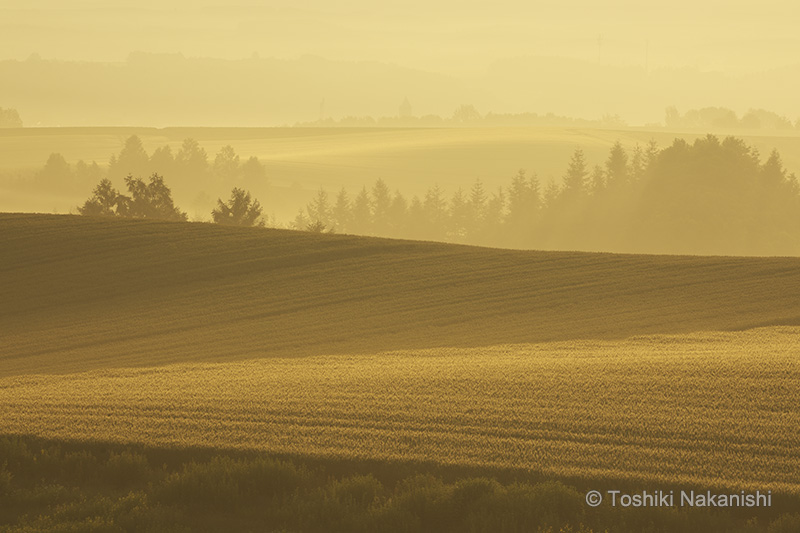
(722, 117)
(463, 115)
(152, 198)
(190, 164)
(711, 196)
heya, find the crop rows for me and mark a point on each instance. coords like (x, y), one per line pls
(719, 409)
(78, 294)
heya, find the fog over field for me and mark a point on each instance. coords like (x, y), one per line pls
(256, 64)
(338, 267)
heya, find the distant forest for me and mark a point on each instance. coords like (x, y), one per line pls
(722, 117)
(467, 115)
(709, 197)
(464, 115)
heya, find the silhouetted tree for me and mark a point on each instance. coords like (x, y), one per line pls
(226, 163)
(524, 203)
(132, 160)
(341, 213)
(476, 209)
(162, 161)
(103, 201)
(319, 210)
(416, 226)
(638, 162)
(465, 114)
(398, 215)
(362, 216)
(148, 200)
(151, 200)
(434, 210)
(86, 173)
(493, 220)
(551, 194)
(56, 172)
(773, 175)
(9, 118)
(253, 172)
(617, 167)
(315, 227)
(575, 178)
(239, 210)
(192, 160)
(459, 217)
(381, 201)
(597, 181)
(651, 153)
(300, 221)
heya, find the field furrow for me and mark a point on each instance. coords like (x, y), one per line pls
(718, 409)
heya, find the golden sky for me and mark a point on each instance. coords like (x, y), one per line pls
(442, 36)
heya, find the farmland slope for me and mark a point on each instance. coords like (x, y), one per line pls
(706, 409)
(78, 294)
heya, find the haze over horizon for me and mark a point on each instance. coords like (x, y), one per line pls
(451, 37)
(573, 58)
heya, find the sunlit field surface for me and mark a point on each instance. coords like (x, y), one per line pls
(710, 409)
(597, 370)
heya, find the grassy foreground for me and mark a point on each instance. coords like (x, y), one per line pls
(50, 486)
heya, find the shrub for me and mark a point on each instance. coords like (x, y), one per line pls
(126, 468)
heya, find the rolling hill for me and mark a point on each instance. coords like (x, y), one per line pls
(595, 369)
(79, 294)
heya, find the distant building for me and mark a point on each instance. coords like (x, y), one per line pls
(405, 109)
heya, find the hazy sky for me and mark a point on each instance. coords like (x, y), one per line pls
(445, 36)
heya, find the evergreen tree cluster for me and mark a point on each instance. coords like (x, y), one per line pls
(712, 196)
(191, 161)
(188, 165)
(152, 199)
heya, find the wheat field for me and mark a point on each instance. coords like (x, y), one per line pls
(78, 294)
(674, 369)
(707, 409)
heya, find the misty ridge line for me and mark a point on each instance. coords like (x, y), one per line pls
(189, 88)
(466, 115)
(709, 197)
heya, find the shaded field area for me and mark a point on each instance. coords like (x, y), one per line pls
(48, 485)
(78, 293)
(713, 409)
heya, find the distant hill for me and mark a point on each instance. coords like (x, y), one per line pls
(163, 90)
(80, 293)
(172, 90)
